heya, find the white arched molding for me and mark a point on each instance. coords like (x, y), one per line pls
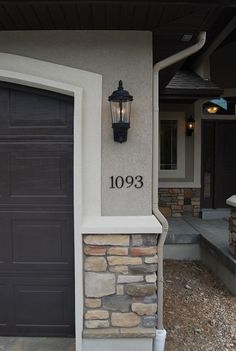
(86, 88)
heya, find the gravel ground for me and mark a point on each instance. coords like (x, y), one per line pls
(199, 313)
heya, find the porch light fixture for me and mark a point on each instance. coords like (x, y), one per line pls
(190, 125)
(120, 103)
(212, 109)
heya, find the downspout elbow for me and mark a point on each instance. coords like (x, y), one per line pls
(201, 39)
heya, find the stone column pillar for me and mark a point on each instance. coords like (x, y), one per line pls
(232, 225)
(120, 286)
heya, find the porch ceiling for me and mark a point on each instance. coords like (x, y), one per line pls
(168, 20)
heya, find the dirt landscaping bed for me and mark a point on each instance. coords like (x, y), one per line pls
(199, 313)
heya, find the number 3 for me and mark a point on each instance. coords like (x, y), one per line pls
(139, 183)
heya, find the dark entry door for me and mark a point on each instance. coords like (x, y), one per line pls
(36, 212)
(218, 162)
(225, 169)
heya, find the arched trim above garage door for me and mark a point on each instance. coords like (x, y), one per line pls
(86, 88)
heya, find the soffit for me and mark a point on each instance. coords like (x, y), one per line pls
(168, 20)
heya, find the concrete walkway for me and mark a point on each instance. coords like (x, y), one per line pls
(36, 344)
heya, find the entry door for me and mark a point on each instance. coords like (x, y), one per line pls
(36, 213)
(225, 169)
(218, 162)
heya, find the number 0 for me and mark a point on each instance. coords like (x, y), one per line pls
(119, 181)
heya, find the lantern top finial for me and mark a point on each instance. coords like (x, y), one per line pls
(120, 87)
(120, 95)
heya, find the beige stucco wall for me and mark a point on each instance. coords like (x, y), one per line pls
(114, 55)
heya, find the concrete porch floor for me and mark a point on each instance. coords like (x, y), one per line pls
(202, 239)
(36, 344)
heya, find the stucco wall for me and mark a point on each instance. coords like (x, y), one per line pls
(115, 55)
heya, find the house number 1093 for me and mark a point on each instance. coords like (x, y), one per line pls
(120, 182)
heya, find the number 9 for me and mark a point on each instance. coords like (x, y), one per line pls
(130, 181)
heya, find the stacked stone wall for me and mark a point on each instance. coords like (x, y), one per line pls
(175, 202)
(120, 285)
(232, 232)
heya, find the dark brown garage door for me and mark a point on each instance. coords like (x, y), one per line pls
(36, 212)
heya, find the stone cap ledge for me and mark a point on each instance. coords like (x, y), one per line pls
(231, 201)
(120, 225)
(107, 333)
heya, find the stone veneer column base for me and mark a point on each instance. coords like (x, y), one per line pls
(175, 202)
(120, 300)
(132, 344)
(232, 232)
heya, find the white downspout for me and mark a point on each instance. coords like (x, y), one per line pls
(159, 343)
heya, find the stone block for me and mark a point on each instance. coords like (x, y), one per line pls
(233, 213)
(118, 251)
(174, 191)
(119, 303)
(106, 239)
(149, 239)
(163, 190)
(144, 309)
(101, 333)
(233, 236)
(95, 250)
(137, 240)
(144, 268)
(153, 259)
(176, 207)
(143, 251)
(99, 284)
(95, 264)
(166, 211)
(120, 289)
(93, 303)
(176, 215)
(149, 299)
(149, 321)
(123, 260)
(119, 269)
(137, 332)
(195, 203)
(96, 314)
(151, 278)
(140, 289)
(129, 278)
(97, 324)
(125, 319)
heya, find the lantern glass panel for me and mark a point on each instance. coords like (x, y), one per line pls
(120, 111)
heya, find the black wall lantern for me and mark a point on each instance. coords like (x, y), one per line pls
(120, 103)
(190, 125)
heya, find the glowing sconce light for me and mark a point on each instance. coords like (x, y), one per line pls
(212, 109)
(190, 125)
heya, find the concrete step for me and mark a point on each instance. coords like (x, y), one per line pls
(218, 213)
(218, 259)
(192, 238)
